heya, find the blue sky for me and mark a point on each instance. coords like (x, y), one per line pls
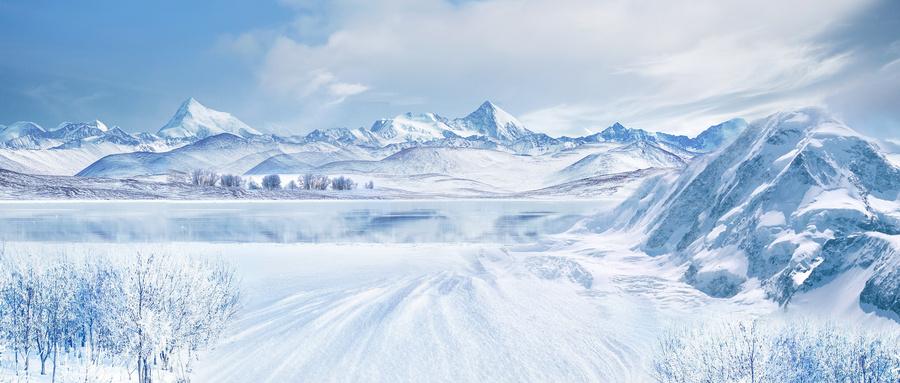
(564, 67)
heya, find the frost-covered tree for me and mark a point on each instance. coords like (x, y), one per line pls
(311, 181)
(370, 185)
(271, 182)
(204, 177)
(252, 185)
(342, 183)
(292, 185)
(146, 313)
(231, 181)
(775, 352)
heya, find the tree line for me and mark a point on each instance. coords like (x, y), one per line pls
(759, 351)
(309, 181)
(148, 314)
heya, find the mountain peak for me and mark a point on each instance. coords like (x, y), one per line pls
(488, 104)
(492, 121)
(194, 120)
(100, 125)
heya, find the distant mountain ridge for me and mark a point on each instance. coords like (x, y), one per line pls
(487, 126)
(111, 152)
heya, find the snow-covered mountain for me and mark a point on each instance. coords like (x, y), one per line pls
(21, 135)
(799, 200)
(492, 122)
(488, 121)
(199, 137)
(195, 121)
(714, 137)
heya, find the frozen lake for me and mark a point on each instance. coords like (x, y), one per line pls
(431, 221)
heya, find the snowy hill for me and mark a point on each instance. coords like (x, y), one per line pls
(218, 152)
(69, 148)
(640, 154)
(797, 201)
(195, 121)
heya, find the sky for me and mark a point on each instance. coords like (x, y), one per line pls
(564, 67)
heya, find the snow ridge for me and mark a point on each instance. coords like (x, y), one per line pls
(796, 200)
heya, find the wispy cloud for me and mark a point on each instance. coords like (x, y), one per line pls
(566, 68)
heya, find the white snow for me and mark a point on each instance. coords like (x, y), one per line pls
(772, 218)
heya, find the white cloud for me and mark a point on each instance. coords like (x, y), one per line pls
(565, 66)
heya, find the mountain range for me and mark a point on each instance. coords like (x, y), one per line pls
(462, 151)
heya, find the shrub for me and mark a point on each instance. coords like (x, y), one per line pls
(271, 182)
(314, 181)
(204, 177)
(232, 181)
(342, 183)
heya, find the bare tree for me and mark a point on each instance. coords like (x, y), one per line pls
(149, 312)
(271, 182)
(342, 183)
(231, 181)
(774, 352)
(315, 181)
(204, 177)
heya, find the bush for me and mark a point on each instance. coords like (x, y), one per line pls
(232, 181)
(314, 181)
(342, 183)
(370, 185)
(204, 177)
(271, 182)
(768, 352)
(252, 185)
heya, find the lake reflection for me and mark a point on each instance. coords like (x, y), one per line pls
(505, 221)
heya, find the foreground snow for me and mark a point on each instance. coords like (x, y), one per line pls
(571, 307)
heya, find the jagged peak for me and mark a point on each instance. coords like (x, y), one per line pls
(93, 124)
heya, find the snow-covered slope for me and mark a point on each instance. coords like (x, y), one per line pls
(718, 135)
(68, 131)
(797, 200)
(413, 127)
(58, 161)
(195, 121)
(217, 152)
(21, 135)
(304, 161)
(640, 154)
